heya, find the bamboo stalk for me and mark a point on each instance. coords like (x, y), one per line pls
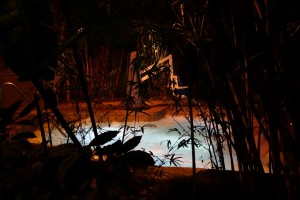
(81, 73)
(40, 118)
(58, 114)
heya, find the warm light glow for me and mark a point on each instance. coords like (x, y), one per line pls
(95, 158)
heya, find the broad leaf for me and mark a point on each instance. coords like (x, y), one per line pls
(115, 148)
(23, 136)
(87, 151)
(27, 109)
(25, 122)
(131, 144)
(15, 105)
(13, 109)
(38, 148)
(16, 148)
(104, 138)
(69, 161)
(62, 150)
(139, 158)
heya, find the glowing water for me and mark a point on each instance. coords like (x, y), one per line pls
(156, 137)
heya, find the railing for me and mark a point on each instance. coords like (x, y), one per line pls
(18, 89)
(168, 58)
(177, 85)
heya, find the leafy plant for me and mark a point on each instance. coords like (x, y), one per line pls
(11, 121)
(103, 169)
